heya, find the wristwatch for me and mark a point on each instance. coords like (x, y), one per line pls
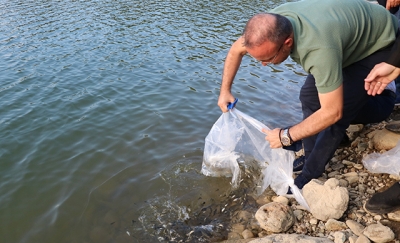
(286, 140)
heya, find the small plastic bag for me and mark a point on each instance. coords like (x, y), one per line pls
(387, 162)
(236, 135)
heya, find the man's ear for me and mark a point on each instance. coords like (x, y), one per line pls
(289, 42)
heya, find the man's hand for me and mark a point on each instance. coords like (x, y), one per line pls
(224, 99)
(379, 77)
(392, 3)
(273, 137)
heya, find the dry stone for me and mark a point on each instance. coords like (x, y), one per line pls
(385, 140)
(327, 200)
(363, 239)
(394, 216)
(378, 233)
(355, 227)
(275, 217)
(334, 225)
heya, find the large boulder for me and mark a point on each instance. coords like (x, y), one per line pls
(326, 200)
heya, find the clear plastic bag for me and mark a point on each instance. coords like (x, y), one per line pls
(236, 135)
(387, 162)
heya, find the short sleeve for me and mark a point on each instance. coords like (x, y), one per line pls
(326, 67)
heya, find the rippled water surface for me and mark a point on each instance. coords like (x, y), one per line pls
(105, 106)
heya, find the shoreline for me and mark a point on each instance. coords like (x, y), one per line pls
(347, 160)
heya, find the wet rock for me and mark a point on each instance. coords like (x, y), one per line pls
(275, 217)
(244, 216)
(378, 233)
(234, 236)
(327, 200)
(237, 228)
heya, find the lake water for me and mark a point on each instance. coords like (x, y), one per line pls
(105, 106)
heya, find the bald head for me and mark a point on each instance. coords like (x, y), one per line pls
(264, 27)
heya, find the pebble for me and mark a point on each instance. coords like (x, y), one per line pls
(247, 234)
(394, 216)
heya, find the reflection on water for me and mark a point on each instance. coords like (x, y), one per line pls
(105, 107)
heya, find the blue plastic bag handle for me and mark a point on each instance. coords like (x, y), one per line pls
(231, 105)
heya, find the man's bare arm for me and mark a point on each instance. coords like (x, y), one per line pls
(232, 64)
(330, 112)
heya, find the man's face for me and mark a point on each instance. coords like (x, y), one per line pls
(268, 53)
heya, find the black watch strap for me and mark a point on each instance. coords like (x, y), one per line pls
(290, 137)
(280, 139)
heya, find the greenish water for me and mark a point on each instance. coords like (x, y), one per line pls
(104, 109)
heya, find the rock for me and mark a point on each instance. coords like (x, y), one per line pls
(355, 227)
(234, 236)
(362, 146)
(298, 214)
(343, 183)
(334, 225)
(385, 140)
(372, 134)
(393, 126)
(291, 238)
(281, 199)
(350, 174)
(363, 239)
(332, 204)
(275, 217)
(352, 179)
(348, 163)
(394, 216)
(378, 233)
(244, 216)
(358, 166)
(333, 174)
(353, 239)
(237, 228)
(313, 221)
(353, 128)
(247, 234)
(340, 237)
(362, 188)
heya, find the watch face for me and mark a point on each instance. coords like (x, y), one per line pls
(285, 141)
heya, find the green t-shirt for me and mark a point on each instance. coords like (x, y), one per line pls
(332, 34)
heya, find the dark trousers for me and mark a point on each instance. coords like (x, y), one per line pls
(358, 108)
